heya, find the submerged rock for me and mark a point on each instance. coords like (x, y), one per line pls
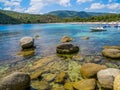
(60, 77)
(85, 84)
(40, 85)
(49, 77)
(90, 69)
(15, 81)
(26, 42)
(106, 77)
(117, 82)
(36, 74)
(67, 49)
(111, 52)
(66, 39)
(69, 86)
(85, 37)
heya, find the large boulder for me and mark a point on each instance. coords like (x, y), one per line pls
(85, 84)
(67, 49)
(111, 52)
(66, 39)
(26, 42)
(15, 81)
(106, 77)
(117, 82)
(89, 70)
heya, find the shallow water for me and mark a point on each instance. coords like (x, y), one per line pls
(50, 35)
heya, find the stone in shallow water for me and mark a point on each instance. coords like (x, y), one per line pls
(90, 69)
(67, 49)
(111, 52)
(15, 81)
(78, 58)
(85, 84)
(69, 86)
(49, 77)
(26, 42)
(36, 74)
(60, 77)
(66, 39)
(40, 85)
(106, 77)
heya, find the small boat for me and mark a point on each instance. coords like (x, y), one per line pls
(97, 29)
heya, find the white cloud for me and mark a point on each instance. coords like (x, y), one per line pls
(12, 5)
(96, 6)
(37, 5)
(113, 6)
(83, 1)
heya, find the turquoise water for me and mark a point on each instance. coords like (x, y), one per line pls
(50, 35)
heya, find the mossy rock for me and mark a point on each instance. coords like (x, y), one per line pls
(49, 77)
(85, 84)
(89, 70)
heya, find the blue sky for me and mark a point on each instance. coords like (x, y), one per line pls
(44, 6)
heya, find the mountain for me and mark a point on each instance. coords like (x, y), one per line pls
(71, 14)
(10, 17)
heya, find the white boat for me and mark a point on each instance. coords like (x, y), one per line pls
(97, 29)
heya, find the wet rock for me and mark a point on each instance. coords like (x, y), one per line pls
(49, 77)
(117, 82)
(58, 88)
(106, 77)
(69, 86)
(67, 49)
(27, 42)
(40, 85)
(15, 81)
(111, 52)
(85, 37)
(85, 84)
(90, 69)
(66, 39)
(60, 77)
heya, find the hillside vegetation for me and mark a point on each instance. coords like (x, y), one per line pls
(10, 17)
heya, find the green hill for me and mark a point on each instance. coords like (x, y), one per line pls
(71, 14)
(10, 17)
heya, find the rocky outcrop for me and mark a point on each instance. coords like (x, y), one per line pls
(67, 49)
(15, 81)
(26, 42)
(90, 69)
(106, 77)
(117, 82)
(85, 84)
(111, 52)
(66, 39)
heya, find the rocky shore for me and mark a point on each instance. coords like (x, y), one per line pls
(66, 70)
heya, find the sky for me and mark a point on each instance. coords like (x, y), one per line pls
(45, 6)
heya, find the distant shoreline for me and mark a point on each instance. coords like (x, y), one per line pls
(109, 23)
